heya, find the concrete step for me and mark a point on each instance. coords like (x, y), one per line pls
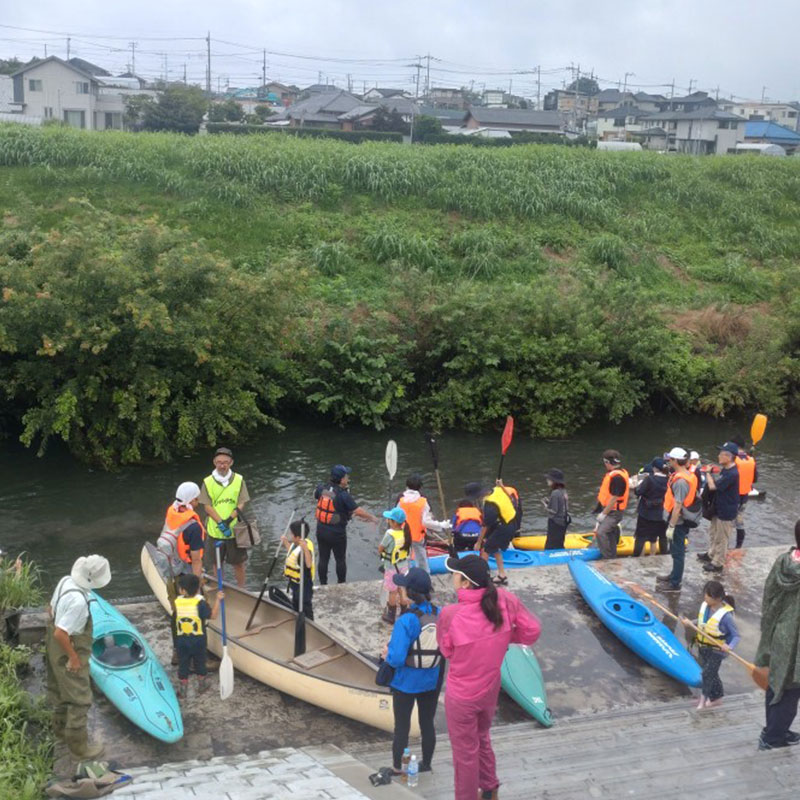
(667, 750)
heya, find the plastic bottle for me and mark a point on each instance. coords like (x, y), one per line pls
(404, 765)
(413, 771)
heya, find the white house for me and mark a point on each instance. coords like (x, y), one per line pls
(55, 89)
(620, 124)
(786, 114)
(701, 132)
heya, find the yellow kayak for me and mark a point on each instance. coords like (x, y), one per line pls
(574, 541)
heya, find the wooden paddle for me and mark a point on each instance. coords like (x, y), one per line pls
(505, 443)
(760, 675)
(757, 428)
(435, 456)
(269, 572)
(391, 466)
(226, 665)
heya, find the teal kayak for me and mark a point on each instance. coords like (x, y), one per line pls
(634, 624)
(129, 674)
(521, 679)
(511, 559)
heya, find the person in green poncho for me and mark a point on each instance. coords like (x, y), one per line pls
(777, 649)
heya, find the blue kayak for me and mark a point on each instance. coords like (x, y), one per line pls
(523, 558)
(130, 675)
(634, 624)
(511, 559)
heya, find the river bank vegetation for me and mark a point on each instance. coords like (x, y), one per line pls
(162, 293)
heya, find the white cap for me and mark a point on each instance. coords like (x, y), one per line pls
(91, 572)
(694, 456)
(187, 492)
(677, 452)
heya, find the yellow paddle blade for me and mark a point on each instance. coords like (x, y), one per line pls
(757, 428)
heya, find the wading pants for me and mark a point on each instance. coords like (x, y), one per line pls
(468, 723)
(607, 534)
(69, 694)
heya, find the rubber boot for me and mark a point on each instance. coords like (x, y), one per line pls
(202, 684)
(59, 724)
(489, 794)
(739, 538)
(389, 615)
(80, 748)
(174, 660)
(183, 688)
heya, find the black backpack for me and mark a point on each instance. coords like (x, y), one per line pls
(709, 498)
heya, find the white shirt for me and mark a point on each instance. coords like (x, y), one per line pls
(71, 612)
(411, 496)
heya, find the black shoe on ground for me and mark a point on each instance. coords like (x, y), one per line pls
(792, 738)
(704, 557)
(664, 578)
(763, 745)
(671, 587)
(711, 568)
(425, 768)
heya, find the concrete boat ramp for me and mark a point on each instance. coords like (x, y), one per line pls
(622, 729)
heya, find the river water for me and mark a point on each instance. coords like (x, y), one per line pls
(56, 509)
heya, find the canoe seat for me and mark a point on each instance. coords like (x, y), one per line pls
(316, 658)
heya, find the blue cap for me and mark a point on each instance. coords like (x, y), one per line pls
(415, 579)
(659, 463)
(730, 447)
(339, 471)
(395, 514)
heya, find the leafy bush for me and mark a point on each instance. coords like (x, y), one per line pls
(355, 137)
(608, 250)
(19, 585)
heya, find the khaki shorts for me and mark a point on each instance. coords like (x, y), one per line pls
(229, 553)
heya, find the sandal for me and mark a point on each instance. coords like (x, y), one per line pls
(500, 581)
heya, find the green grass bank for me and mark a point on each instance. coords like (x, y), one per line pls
(161, 292)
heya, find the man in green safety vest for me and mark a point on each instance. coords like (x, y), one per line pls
(223, 495)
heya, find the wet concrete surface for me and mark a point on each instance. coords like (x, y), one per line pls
(586, 669)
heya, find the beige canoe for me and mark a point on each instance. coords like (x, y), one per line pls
(330, 674)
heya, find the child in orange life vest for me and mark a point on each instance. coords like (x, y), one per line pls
(191, 614)
(719, 636)
(394, 551)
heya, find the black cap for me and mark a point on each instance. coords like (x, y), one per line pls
(555, 475)
(223, 451)
(415, 579)
(338, 472)
(474, 490)
(730, 447)
(472, 567)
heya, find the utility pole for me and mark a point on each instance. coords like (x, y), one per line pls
(208, 63)
(166, 67)
(45, 51)
(264, 69)
(716, 93)
(575, 108)
(428, 78)
(68, 45)
(539, 88)
(133, 57)
(349, 83)
(763, 93)
(672, 89)
(625, 85)
(691, 81)
(319, 76)
(184, 73)
(418, 67)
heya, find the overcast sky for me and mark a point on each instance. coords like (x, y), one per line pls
(735, 45)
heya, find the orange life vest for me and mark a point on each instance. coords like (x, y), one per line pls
(326, 512)
(747, 473)
(175, 523)
(468, 514)
(604, 495)
(414, 513)
(669, 497)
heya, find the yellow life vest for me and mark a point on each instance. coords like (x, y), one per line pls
(713, 636)
(399, 553)
(223, 499)
(292, 568)
(503, 502)
(187, 616)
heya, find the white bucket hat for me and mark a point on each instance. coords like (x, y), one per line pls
(91, 572)
(677, 452)
(187, 492)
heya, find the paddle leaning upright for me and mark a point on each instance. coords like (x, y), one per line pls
(226, 665)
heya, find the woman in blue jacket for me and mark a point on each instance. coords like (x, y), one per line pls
(413, 653)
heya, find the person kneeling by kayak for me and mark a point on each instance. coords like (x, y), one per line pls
(467, 522)
(394, 550)
(473, 636)
(189, 620)
(414, 654)
(498, 529)
(300, 546)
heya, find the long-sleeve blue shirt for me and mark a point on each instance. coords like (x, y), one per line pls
(727, 627)
(410, 680)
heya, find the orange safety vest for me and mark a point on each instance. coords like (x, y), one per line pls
(747, 473)
(467, 514)
(414, 513)
(604, 495)
(669, 497)
(175, 523)
(326, 512)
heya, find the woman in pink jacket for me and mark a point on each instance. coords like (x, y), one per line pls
(474, 635)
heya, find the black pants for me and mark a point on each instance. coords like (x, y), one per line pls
(191, 656)
(308, 597)
(710, 660)
(336, 543)
(780, 716)
(638, 545)
(403, 705)
(464, 542)
(555, 535)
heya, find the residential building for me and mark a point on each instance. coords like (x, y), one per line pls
(786, 114)
(278, 93)
(620, 124)
(651, 102)
(611, 98)
(57, 89)
(575, 106)
(362, 116)
(691, 102)
(700, 132)
(450, 118)
(765, 132)
(513, 119)
(378, 94)
(320, 110)
(7, 95)
(494, 98)
(444, 97)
